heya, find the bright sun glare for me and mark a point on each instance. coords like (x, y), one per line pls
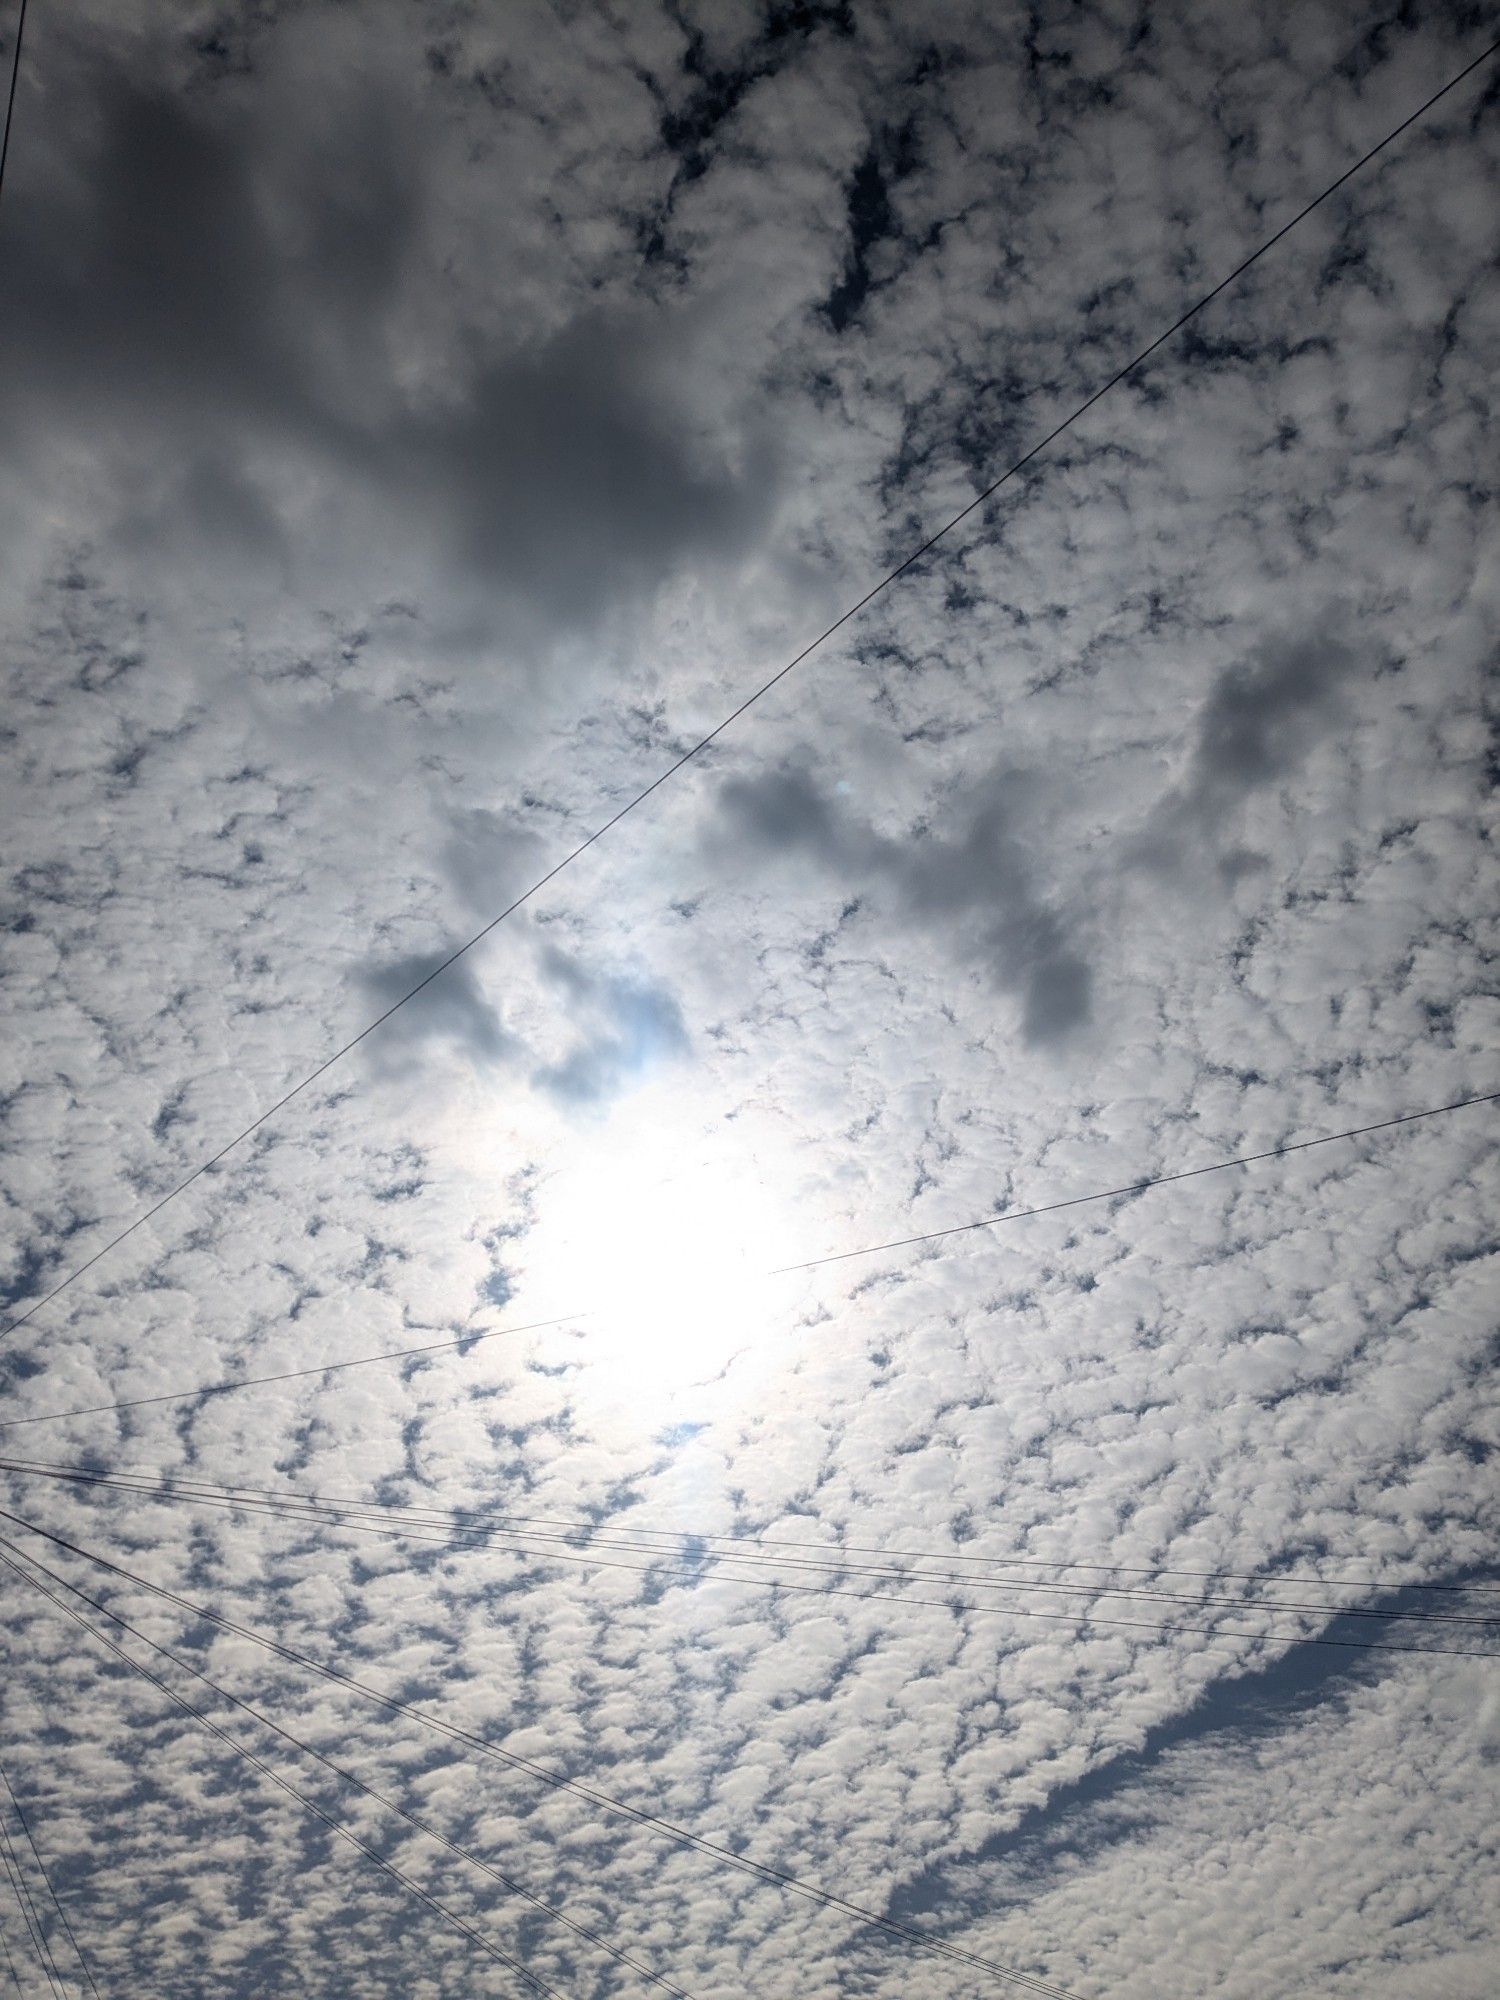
(667, 1250)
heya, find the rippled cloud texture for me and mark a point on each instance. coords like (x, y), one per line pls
(422, 423)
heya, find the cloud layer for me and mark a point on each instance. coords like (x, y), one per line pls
(423, 425)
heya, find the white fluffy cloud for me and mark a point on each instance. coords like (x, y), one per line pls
(425, 423)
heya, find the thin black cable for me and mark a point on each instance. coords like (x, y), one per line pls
(348, 1777)
(33, 1915)
(1135, 1187)
(583, 1545)
(10, 1882)
(15, 1977)
(750, 700)
(10, 1862)
(512, 1760)
(30, 1915)
(1216, 1634)
(51, 1886)
(715, 1566)
(149, 1479)
(10, 102)
(231, 1384)
(532, 1979)
(234, 1384)
(1025, 1979)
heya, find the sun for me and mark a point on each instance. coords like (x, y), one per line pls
(667, 1249)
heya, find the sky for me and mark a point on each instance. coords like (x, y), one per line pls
(424, 422)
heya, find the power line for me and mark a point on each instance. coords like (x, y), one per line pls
(542, 1546)
(348, 1777)
(532, 1979)
(10, 1862)
(1136, 1187)
(718, 1566)
(149, 1480)
(10, 102)
(30, 1915)
(15, 1977)
(556, 1780)
(151, 1477)
(234, 1384)
(1216, 1633)
(41, 1866)
(704, 742)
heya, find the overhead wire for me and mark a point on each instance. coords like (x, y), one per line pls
(1024, 1979)
(10, 1863)
(150, 1479)
(582, 1544)
(51, 1886)
(15, 1977)
(350, 1778)
(153, 1477)
(30, 1915)
(687, 756)
(1139, 1186)
(1216, 1633)
(234, 1384)
(555, 1780)
(694, 751)
(8, 1554)
(10, 100)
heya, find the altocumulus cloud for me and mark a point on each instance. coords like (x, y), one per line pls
(422, 424)
(972, 887)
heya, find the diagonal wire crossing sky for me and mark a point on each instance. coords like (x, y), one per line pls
(908, 563)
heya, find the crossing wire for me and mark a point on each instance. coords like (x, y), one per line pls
(1215, 1634)
(8, 1550)
(463, 1518)
(51, 1886)
(234, 1384)
(10, 101)
(909, 562)
(348, 1777)
(150, 1479)
(543, 1546)
(556, 1780)
(1129, 1188)
(30, 1915)
(15, 1977)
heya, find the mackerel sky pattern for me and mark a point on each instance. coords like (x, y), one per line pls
(420, 423)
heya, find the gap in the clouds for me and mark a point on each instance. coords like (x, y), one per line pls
(1244, 1702)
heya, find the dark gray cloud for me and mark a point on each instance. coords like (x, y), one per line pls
(615, 1030)
(230, 307)
(628, 1028)
(1264, 715)
(1262, 719)
(453, 1009)
(490, 858)
(570, 477)
(973, 889)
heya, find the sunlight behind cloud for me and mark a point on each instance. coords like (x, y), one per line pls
(666, 1246)
(464, 929)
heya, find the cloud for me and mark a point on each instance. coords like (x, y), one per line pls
(424, 424)
(612, 1031)
(226, 328)
(570, 477)
(972, 889)
(1263, 718)
(632, 1027)
(452, 1010)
